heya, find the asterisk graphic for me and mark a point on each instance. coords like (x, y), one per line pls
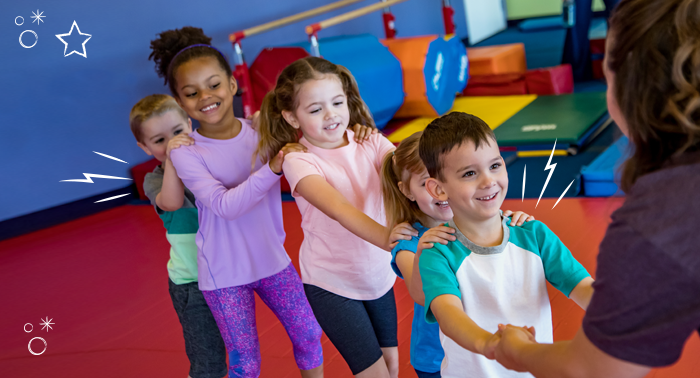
(37, 17)
(46, 324)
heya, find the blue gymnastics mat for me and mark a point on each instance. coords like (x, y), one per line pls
(601, 176)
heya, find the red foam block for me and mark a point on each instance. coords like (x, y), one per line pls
(138, 172)
(496, 85)
(550, 81)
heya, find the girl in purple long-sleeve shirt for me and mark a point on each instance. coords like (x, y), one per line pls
(241, 235)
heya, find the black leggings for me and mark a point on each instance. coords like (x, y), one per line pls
(358, 329)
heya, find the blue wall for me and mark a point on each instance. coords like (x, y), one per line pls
(56, 110)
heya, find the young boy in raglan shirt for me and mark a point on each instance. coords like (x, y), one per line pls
(493, 273)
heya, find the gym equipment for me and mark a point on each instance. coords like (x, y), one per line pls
(601, 176)
(493, 110)
(571, 120)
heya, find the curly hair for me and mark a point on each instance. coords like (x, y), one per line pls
(275, 132)
(169, 43)
(655, 55)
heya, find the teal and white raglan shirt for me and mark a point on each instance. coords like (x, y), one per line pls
(180, 229)
(502, 284)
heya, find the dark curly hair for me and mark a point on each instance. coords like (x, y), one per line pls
(170, 42)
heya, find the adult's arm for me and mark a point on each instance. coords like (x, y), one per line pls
(577, 358)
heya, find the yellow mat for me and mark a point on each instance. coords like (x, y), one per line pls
(494, 110)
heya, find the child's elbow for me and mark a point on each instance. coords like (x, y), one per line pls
(169, 207)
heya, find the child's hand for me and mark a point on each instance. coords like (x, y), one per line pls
(489, 350)
(439, 234)
(402, 231)
(179, 140)
(527, 333)
(276, 162)
(518, 217)
(362, 132)
(255, 117)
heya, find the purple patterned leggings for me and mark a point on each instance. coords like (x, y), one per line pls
(234, 312)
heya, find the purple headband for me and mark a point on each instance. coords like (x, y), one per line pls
(170, 66)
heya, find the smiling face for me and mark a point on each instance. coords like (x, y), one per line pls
(157, 132)
(205, 91)
(475, 181)
(439, 211)
(322, 112)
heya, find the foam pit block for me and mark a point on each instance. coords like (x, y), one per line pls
(550, 81)
(138, 173)
(599, 177)
(493, 60)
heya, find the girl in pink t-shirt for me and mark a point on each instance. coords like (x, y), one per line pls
(344, 260)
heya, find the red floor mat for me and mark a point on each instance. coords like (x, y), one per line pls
(103, 282)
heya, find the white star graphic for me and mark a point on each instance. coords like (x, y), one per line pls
(46, 324)
(75, 25)
(37, 17)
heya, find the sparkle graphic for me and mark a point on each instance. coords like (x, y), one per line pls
(89, 176)
(37, 17)
(59, 36)
(46, 323)
(549, 167)
(110, 157)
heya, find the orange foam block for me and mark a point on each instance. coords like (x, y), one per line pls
(494, 60)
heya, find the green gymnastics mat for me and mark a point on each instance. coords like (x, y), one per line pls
(572, 120)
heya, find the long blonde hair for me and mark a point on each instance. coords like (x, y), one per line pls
(398, 167)
(275, 132)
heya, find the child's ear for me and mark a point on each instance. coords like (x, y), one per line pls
(234, 85)
(144, 148)
(405, 191)
(290, 118)
(189, 124)
(435, 189)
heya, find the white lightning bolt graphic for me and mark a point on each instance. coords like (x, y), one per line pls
(549, 167)
(109, 157)
(562, 195)
(89, 176)
(120, 196)
(524, 173)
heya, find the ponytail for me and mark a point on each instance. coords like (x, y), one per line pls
(398, 167)
(274, 130)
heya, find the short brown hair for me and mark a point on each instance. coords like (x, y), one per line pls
(447, 132)
(655, 55)
(149, 107)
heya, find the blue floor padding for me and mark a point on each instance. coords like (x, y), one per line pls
(568, 168)
(541, 23)
(601, 176)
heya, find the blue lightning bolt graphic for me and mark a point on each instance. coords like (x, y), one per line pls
(549, 167)
(89, 176)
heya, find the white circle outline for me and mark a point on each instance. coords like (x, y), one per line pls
(25, 46)
(16, 20)
(25, 328)
(29, 346)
